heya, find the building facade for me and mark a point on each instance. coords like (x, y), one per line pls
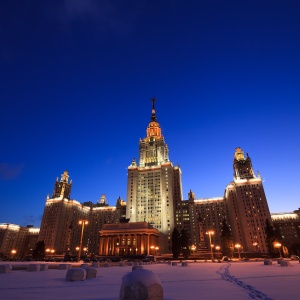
(126, 239)
(287, 227)
(17, 241)
(61, 227)
(154, 196)
(244, 207)
(154, 184)
(247, 205)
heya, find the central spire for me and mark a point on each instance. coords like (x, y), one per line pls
(153, 129)
(153, 116)
(153, 149)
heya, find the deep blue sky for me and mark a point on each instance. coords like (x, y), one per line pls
(77, 77)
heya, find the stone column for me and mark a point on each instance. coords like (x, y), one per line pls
(120, 243)
(142, 249)
(106, 246)
(113, 245)
(136, 244)
(148, 243)
(100, 245)
(109, 245)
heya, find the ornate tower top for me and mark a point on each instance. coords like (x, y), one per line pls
(242, 166)
(63, 187)
(191, 195)
(239, 154)
(153, 151)
(153, 129)
(64, 176)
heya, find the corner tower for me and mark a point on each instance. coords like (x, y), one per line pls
(247, 205)
(154, 184)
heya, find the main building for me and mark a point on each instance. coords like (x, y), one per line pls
(154, 197)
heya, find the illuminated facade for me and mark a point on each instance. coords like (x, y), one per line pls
(154, 196)
(244, 207)
(287, 226)
(60, 228)
(247, 205)
(128, 239)
(154, 184)
(17, 241)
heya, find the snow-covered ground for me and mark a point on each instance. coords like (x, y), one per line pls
(200, 280)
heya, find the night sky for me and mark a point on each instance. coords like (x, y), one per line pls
(77, 78)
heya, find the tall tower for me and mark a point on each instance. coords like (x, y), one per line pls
(247, 205)
(154, 184)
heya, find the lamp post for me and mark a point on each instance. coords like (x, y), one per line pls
(238, 246)
(52, 252)
(156, 250)
(82, 223)
(152, 248)
(48, 251)
(193, 248)
(85, 250)
(255, 244)
(210, 233)
(278, 245)
(218, 250)
(13, 252)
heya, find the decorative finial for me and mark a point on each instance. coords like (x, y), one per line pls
(153, 99)
(153, 117)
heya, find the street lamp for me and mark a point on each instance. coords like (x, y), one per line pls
(218, 250)
(255, 244)
(278, 245)
(210, 233)
(48, 251)
(13, 252)
(238, 246)
(156, 250)
(152, 248)
(193, 248)
(82, 223)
